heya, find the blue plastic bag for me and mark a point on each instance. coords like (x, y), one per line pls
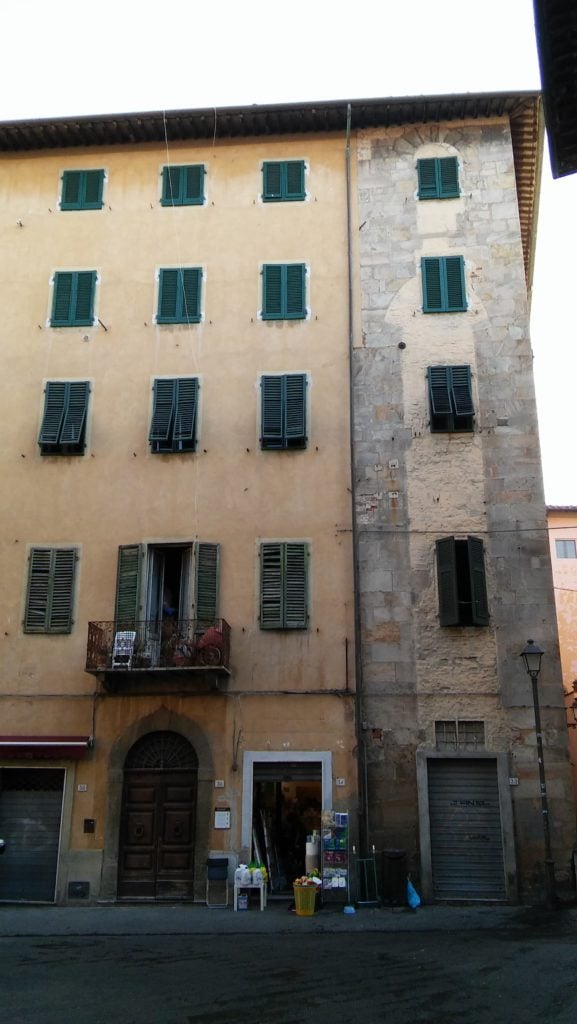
(413, 898)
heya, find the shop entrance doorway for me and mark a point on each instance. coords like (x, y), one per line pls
(286, 812)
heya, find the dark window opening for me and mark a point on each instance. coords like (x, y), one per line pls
(450, 399)
(173, 424)
(461, 582)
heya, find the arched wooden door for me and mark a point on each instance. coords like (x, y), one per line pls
(157, 830)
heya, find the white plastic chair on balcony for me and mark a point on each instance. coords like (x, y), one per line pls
(123, 649)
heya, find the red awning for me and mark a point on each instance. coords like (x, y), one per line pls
(44, 747)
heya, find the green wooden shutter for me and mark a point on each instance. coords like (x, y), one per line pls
(50, 590)
(295, 291)
(272, 291)
(284, 573)
(272, 181)
(448, 177)
(295, 409)
(71, 184)
(170, 186)
(167, 296)
(62, 299)
(432, 293)
(193, 184)
(207, 566)
(271, 586)
(54, 409)
(183, 185)
(295, 586)
(271, 412)
(295, 179)
(439, 378)
(73, 299)
(190, 286)
(447, 582)
(82, 190)
(39, 569)
(61, 597)
(186, 395)
(84, 305)
(72, 429)
(443, 284)
(127, 607)
(93, 187)
(461, 390)
(480, 605)
(179, 295)
(427, 176)
(162, 410)
(455, 283)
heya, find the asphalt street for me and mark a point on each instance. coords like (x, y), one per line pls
(377, 969)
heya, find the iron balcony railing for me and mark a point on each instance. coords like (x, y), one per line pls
(130, 646)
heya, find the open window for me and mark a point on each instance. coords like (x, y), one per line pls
(461, 582)
(174, 413)
(450, 398)
(63, 429)
(176, 581)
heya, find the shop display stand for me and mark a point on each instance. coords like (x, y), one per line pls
(335, 856)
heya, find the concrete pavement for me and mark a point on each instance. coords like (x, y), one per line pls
(195, 919)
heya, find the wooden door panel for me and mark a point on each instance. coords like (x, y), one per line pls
(157, 835)
(177, 828)
(136, 794)
(140, 828)
(179, 795)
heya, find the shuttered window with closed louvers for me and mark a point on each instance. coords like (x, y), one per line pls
(283, 411)
(438, 178)
(284, 585)
(443, 279)
(179, 295)
(82, 190)
(183, 185)
(284, 293)
(73, 298)
(283, 181)
(50, 592)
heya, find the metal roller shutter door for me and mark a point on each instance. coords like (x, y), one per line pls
(465, 826)
(30, 816)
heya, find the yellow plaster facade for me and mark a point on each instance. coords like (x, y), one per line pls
(288, 691)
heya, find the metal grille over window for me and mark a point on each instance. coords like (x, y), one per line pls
(161, 750)
(460, 735)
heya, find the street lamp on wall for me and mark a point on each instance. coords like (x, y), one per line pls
(532, 655)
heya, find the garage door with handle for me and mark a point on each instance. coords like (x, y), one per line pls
(465, 827)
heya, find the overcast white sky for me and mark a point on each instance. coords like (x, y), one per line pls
(68, 57)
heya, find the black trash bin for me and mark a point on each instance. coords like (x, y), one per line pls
(394, 877)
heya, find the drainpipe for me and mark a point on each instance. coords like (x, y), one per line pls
(362, 795)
